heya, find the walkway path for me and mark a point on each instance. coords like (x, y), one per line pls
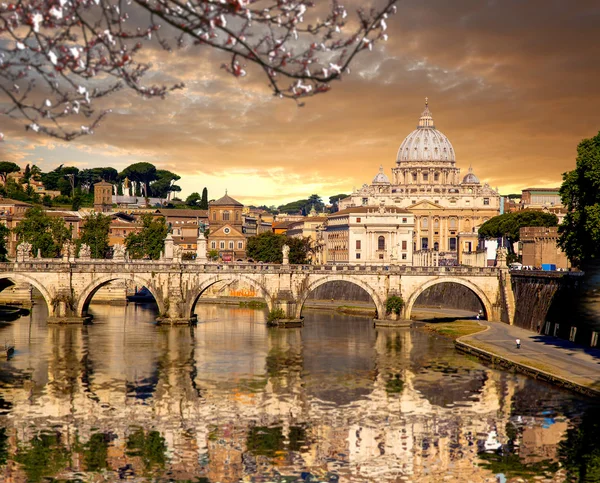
(558, 357)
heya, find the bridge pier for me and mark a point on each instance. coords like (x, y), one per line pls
(286, 302)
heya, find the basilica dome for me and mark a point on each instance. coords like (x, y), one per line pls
(381, 178)
(426, 143)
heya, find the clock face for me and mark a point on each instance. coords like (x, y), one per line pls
(226, 231)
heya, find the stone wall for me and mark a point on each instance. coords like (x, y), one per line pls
(449, 295)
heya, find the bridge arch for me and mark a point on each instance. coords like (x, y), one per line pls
(379, 303)
(197, 292)
(89, 291)
(481, 295)
(17, 277)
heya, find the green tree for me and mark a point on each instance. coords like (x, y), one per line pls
(7, 167)
(4, 232)
(150, 240)
(44, 233)
(580, 194)
(334, 201)
(142, 174)
(193, 200)
(509, 224)
(164, 184)
(204, 201)
(94, 233)
(267, 247)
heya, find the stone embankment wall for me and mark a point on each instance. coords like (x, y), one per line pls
(450, 295)
(560, 304)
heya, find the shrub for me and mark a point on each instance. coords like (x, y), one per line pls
(275, 315)
(394, 305)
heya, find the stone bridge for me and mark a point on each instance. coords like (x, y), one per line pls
(68, 286)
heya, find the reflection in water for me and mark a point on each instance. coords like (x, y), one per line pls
(231, 400)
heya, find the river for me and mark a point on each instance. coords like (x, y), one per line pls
(231, 400)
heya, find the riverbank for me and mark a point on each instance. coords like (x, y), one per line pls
(542, 357)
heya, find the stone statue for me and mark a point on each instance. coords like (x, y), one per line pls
(501, 254)
(119, 252)
(85, 251)
(177, 251)
(286, 254)
(23, 251)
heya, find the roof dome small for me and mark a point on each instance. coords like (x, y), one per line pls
(381, 178)
(470, 177)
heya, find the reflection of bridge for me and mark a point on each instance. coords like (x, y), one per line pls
(68, 286)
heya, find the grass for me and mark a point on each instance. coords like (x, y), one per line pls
(455, 329)
(353, 310)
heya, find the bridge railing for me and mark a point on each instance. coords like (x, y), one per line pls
(102, 265)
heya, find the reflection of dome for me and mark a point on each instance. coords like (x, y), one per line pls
(470, 177)
(381, 178)
(426, 143)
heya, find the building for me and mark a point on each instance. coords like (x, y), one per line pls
(254, 224)
(185, 225)
(226, 229)
(11, 214)
(540, 197)
(369, 235)
(121, 225)
(103, 197)
(539, 246)
(427, 183)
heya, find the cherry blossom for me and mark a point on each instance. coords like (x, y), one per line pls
(59, 57)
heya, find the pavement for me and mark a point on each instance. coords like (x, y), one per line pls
(559, 357)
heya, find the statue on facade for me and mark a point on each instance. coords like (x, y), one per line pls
(286, 254)
(85, 251)
(119, 252)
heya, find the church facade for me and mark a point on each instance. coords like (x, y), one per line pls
(426, 182)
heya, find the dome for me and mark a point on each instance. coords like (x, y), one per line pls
(426, 143)
(381, 178)
(470, 177)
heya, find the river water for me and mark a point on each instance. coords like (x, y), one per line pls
(231, 400)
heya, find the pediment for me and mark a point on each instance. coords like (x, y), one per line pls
(425, 205)
(226, 231)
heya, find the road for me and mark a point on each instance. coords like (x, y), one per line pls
(562, 358)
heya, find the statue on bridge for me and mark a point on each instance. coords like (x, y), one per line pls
(68, 250)
(286, 254)
(85, 252)
(23, 251)
(119, 252)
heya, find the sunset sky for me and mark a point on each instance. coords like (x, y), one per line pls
(514, 84)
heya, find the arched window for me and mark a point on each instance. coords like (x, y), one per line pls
(237, 216)
(214, 216)
(436, 246)
(424, 222)
(381, 243)
(231, 245)
(226, 216)
(452, 223)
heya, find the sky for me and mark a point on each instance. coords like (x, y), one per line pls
(513, 84)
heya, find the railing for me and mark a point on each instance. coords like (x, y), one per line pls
(100, 265)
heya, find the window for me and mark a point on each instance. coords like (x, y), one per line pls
(358, 220)
(404, 220)
(381, 243)
(226, 216)
(358, 244)
(424, 222)
(452, 202)
(424, 243)
(572, 334)
(414, 176)
(486, 201)
(222, 245)
(358, 256)
(452, 223)
(240, 245)
(594, 342)
(381, 256)
(237, 216)
(404, 256)
(436, 176)
(436, 246)
(226, 230)
(214, 216)
(414, 202)
(425, 177)
(452, 243)
(231, 245)
(436, 222)
(404, 244)
(365, 201)
(556, 330)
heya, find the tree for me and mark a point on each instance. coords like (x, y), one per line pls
(6, 167)
(193, 200)
(164, 184)
(150, 240)
(204, 201)
(267, 247)
(509, 224)
(142, 174)
(44, 233)
(56, 61)
(334, 201)
(4, 233)
(94, 233)
(580, 194)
